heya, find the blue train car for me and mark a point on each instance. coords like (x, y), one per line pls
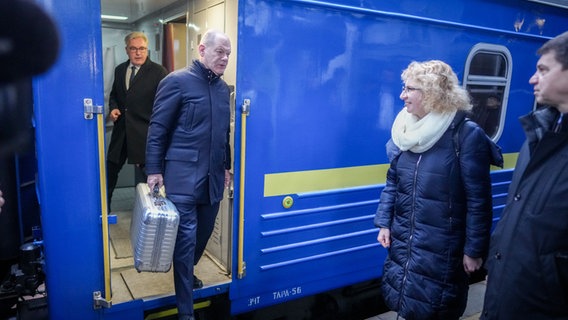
(316, 92)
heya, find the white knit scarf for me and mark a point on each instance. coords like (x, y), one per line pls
(419, 135)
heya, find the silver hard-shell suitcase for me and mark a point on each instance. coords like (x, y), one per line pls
(153, 230)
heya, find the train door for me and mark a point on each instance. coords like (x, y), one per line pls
(69, 172)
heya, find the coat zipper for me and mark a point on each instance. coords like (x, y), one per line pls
(409, 245)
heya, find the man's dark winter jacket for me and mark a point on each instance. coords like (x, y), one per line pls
(188, 139)
(528, 259)
(438, 208)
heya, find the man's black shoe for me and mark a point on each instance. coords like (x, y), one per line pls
(197, 283)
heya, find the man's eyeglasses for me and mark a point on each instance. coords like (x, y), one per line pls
(407, 89)
(134, 49)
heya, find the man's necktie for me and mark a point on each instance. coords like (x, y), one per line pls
(132, 74)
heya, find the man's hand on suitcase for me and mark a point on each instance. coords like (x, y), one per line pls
(155, 180)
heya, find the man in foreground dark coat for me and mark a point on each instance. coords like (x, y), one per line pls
(528, 258)
(188, 152)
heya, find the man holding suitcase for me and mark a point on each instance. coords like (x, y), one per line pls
(188, 152)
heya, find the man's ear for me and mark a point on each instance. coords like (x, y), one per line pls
(201, 50)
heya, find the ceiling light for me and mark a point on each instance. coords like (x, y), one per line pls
(104, 16)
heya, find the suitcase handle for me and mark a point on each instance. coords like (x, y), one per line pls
(158, 200)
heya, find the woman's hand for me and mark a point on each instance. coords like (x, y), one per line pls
(384, 237)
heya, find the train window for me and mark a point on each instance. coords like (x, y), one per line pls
(487, 78)
(488, 64)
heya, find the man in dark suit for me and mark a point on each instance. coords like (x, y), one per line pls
(188, 152)
(131, 100)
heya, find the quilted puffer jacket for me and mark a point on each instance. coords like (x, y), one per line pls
(438, 207)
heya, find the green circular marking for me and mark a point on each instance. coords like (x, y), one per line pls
(287, 202)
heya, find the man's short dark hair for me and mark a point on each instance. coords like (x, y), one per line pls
(559, 45)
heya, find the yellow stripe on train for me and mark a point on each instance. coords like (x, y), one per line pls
(276, 184)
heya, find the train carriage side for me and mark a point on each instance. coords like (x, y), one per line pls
(317, 86)
(319, 83)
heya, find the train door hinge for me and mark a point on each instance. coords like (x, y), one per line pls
(99, 301)
(89, 109)
(246, 107)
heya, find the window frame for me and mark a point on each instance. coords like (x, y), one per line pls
(491, 81)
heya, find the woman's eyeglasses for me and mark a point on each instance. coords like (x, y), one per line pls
(407, 89)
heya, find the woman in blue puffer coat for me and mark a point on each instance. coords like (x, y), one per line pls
(435, 211)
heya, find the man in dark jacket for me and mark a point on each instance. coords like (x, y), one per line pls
(528, 258)
(188, 152)
(131, 100)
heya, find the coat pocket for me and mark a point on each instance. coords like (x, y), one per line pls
(189, 116)
(180, 174)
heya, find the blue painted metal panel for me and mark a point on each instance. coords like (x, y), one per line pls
(324, 81)
(68, 172)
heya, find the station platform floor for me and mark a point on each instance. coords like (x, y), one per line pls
(472, 311)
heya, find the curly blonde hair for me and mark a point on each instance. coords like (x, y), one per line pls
(439, 86)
